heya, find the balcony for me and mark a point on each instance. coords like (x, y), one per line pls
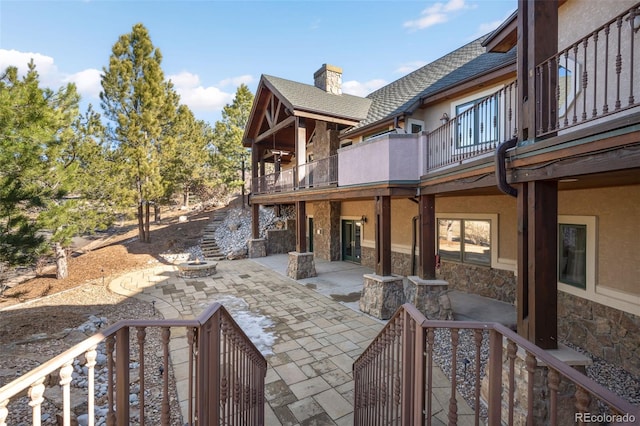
(591, 79)
(225, 374)
(316, 174)
(399, 379)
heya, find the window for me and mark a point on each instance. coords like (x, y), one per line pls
(465, 240)
(568, 87)
(572, 255)
(477, 122)
(414, 126)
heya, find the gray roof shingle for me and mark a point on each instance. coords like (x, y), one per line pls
(402, 95)
(310, 98)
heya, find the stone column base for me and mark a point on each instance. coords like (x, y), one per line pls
(301, 265)
(381, 295)
(430, 297)
(257, 248)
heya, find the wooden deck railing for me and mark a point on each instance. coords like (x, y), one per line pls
(476, 131)
(395, 378)
(315, 174)
(225, 380)
(593, 78)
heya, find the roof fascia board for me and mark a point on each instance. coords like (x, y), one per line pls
(503, 38)
(466, 85)
(369, 127)
(322, 117)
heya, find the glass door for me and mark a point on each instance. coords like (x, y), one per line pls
(351, 249)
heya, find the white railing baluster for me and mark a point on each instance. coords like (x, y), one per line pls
(91, 355)
(65, 383)
(36, 392)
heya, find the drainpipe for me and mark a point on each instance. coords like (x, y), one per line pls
(414, 239)
(501, 168)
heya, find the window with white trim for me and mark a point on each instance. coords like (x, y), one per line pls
(465, 240)
(414, 126)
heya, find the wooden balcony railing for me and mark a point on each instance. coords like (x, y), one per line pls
(225, 380)
(476, 131)
(398, 380)
(319, 173)
(592, 78)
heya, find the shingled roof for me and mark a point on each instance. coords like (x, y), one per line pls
(404, 95)
(310, 98)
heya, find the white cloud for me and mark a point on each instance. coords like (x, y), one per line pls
(408, 67)
(487, 27)
(45, 66)
(87, 82)
(358, 88)
(196, 96)
(237, 81)
(438, 13)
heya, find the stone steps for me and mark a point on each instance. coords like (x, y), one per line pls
(209, 247)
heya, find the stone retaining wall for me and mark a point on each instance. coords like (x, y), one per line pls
(281, 241)
(488, 282)
(400, 262)
(605, 332)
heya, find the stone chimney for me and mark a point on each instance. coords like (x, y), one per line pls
(329, 79)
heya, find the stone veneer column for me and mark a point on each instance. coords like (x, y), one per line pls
(301, 265)
(326, 219)
(257, 248)
(431, 297)
(381, 295)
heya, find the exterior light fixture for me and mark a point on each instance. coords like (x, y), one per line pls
(444, 119)
(363, 219)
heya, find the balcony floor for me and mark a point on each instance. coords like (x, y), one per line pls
(309, 379)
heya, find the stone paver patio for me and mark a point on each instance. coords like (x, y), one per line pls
(309, 380)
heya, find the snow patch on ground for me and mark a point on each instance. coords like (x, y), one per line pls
(254, 325)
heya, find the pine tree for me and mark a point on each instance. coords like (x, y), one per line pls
(135, 100)
(228, 153)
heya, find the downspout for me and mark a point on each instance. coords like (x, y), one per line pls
(501, 168)
(414, 239)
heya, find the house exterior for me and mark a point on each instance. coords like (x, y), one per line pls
(509, 168)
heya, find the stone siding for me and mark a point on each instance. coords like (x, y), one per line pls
(326, 219)
(605, 332)
(400, 262)
(488, 282)
(281, 241)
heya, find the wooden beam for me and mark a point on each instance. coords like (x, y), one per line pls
(428, 233)
(301, 230)
(275, 129)
(327, 118)
(383, 236)
(301, 149)
(542, 226)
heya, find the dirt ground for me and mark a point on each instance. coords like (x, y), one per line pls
(104, 259)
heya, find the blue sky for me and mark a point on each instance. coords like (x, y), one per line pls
(210, 47)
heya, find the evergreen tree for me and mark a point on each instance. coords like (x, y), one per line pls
(42, 138)
(135, 100)
(25, 130)
(228, 153)
(189, 167)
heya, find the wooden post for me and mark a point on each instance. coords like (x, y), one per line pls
(301, 151)
(538, 39)
(522, 293)
(301, 230)
(542, 207)
(427, 269)
(383, 235)
(255, 221)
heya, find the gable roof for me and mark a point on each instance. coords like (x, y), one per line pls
(405, 94)
(310, 98)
